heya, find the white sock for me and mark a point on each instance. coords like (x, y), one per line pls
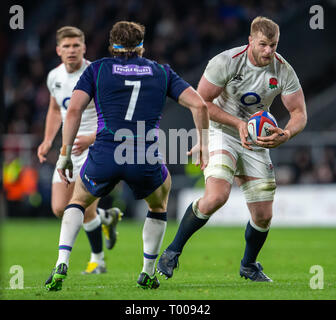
(152, 234)
(104, 217)
(71, 223)
(98, 258)
(93, 224)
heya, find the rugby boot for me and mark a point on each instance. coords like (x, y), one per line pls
(254, 272)
(94, 268)
(56, 278)
(167, 263)
(147, 282)
(110, 231)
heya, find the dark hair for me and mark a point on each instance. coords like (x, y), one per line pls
(126, 38)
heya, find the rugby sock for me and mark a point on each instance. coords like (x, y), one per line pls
(94, 234)
(152, 234)
(192, 220)
(71, 223)
(255, 238)
(104, 216)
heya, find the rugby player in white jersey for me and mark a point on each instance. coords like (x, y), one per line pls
(237, 83)
(61, 81)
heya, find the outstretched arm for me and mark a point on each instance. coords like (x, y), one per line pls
(192, 100)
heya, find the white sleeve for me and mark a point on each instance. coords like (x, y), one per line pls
(50, 84)
(292, 83)
(216, 71)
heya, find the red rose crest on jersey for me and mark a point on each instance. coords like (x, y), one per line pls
(273, 83)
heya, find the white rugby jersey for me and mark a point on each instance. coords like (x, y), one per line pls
(248, 88)
(60, 84)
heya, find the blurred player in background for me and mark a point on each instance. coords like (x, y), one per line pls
(61, 81)
(127, 89)
(237, 83)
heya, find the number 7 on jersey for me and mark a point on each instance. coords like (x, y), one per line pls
(134, 98)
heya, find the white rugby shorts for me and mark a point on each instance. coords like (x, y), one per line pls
(240, 161)
(77, 162)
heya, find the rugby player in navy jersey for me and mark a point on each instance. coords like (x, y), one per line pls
(128, 90)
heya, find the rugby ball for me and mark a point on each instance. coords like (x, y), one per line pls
(259, 123)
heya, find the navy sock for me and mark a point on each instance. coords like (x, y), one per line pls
(188, 226)
(254, 241)
(95, 239)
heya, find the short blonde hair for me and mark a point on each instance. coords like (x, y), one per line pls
(69, 32)
(266, 26)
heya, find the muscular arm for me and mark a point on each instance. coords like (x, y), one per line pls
(52, 125)
(296, 106)
(209, 92)
(192, 100)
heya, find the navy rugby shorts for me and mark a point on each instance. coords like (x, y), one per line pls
(100, 173)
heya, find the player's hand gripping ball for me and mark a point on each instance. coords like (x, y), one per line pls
(259, 123)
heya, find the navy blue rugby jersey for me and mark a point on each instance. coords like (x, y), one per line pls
(126, 91)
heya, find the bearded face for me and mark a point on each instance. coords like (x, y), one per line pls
(262, 48)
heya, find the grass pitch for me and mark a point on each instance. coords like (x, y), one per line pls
(209, 266)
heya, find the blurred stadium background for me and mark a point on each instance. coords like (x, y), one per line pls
(185, 34)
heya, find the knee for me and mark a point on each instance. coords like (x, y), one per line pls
(262, 219)
(211, 203)
(58, 211)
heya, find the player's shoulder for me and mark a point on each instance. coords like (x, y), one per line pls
(281, 61)
(148, 62)
(98, 62)
(93, 67)
(56, 72)
(86, 62)
(230, 55)
(60, 68)
(237, 52)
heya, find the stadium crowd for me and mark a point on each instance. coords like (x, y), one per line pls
(178, 32)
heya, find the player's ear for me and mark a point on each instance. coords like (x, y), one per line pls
(250, 39)
(58, 51)
(84, 48)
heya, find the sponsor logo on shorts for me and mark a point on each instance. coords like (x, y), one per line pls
(92, 183)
